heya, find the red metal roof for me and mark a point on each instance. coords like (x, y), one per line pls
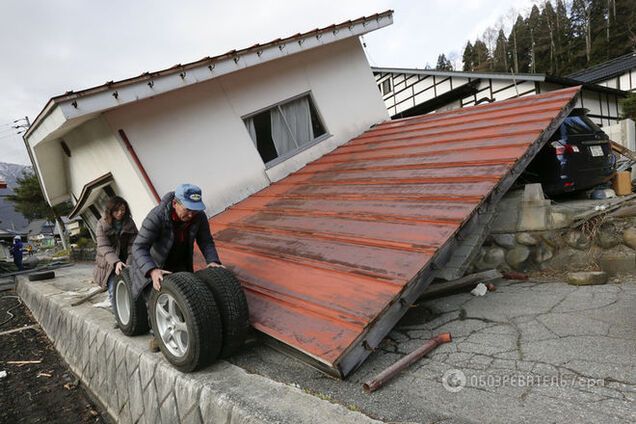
(332, 256)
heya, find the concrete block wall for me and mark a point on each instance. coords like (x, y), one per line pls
(136, 386)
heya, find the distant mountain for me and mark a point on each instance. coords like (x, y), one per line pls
(9, 218)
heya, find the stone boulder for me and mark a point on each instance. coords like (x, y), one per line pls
(577, 240)
(506, 241)
(629, 237)
(590, 278)
(526, 239)
(490, 258)
(518, 257)
(543, 253)
(608, 235)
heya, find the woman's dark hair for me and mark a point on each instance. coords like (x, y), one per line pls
(113, 204)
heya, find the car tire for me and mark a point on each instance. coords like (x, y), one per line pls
(39, 276)
(186, 322)
(131, 315)
(230, 299)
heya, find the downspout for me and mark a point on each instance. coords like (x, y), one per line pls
(141, 168)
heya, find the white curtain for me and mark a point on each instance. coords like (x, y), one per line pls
(292, 128)
(249, 123)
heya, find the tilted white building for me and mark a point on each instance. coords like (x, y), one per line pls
(231, 124)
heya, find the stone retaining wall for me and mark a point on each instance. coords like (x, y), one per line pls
(134, 385)
(603, 244)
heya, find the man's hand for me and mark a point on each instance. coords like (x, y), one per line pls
(157, 277)
(119, 266)
(214, 265)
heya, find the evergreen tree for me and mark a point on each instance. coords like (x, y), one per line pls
(629, 107)
(581, 41)
(534, 27)
(467, 58)
(564, 39)
(29, 201)
(500, 56)
(622, 38)
(581, 24)
(599, 32)
(556, 40)
(546, 49)
(481, 57)
(519, 45)
(443, 64)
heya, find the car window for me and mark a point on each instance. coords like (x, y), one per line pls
(580, 125)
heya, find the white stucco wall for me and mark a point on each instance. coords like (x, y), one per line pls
(95, 151)
(197, 134)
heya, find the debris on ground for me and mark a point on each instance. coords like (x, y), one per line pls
(21, 363)
(479, 290)
(103, 304)
(513, 275)
(29, 390)
(465, 282)
(72, 386)
(386, 375)
(89, 296)
(590, 278)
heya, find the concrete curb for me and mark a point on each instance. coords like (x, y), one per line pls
(135, 385)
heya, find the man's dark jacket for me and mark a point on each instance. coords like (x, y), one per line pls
(156, 238)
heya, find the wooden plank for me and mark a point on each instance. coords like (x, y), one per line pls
(466, 281)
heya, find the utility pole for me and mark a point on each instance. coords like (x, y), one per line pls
(22, 127)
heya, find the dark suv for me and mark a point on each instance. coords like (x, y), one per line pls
(578, 156)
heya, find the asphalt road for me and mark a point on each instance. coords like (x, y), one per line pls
(529, 352)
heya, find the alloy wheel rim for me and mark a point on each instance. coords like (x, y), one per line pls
(122, 299)
(171, 325)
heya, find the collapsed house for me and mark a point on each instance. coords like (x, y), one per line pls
(338, 217)
(208, 122)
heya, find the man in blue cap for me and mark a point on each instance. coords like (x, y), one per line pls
(165, 242)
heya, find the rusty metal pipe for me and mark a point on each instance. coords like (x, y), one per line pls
(379, 380)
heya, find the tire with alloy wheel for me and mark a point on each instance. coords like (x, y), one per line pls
(186, 322)
(230, 299)
(131, 315)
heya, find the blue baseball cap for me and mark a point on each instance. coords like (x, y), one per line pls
(189, 196)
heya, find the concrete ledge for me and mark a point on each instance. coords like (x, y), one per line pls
(135, 385)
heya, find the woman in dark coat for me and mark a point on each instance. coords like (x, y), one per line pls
(115, 234)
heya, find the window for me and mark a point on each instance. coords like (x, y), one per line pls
(386, 86)
(285, 128)
(580, 125)
(93, 213)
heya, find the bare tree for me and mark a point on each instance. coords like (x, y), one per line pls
(490, 38)
(455, 60)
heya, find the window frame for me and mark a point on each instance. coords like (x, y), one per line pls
(288, 155)
(390, 84)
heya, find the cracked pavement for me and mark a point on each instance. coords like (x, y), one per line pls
(531, 351)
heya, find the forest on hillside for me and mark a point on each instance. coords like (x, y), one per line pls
(556, 37)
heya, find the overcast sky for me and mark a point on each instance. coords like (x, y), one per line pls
(49, 47)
